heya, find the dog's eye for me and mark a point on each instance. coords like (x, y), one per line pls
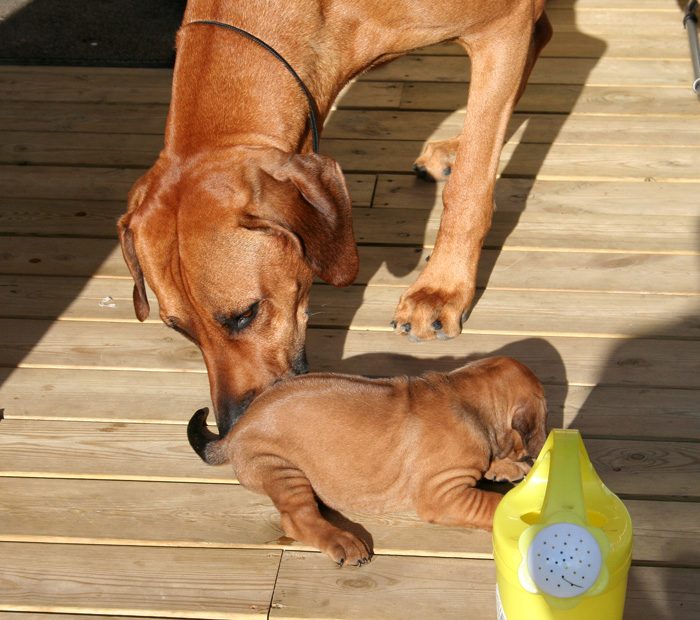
(236, 323)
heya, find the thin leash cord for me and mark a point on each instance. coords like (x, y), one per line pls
(276, 54)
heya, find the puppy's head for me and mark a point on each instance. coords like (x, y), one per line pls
(511, 404)
(230, 242)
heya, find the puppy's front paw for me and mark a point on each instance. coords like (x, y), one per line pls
(507, 471)
(345, 548)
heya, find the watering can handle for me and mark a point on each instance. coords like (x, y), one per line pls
(565, 489)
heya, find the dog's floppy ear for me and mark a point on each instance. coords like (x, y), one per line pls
(322, 231)
(126, 237)
(524, 422)
(529, 421)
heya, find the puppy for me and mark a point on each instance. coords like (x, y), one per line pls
(383, 445)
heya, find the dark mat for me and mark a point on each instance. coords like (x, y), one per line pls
(121, 33)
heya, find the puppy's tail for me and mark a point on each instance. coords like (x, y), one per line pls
(210, 447)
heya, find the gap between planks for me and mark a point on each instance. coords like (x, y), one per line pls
(375, 328)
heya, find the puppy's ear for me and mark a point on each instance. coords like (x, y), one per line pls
(126, 237)
(322, 229)
(530, 422)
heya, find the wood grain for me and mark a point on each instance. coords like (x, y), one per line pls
(366, 307)
(514, 268)
(160, 452)
(186, 583)
(209, 515)
(166, 398)
(589, 275)
(446, 588)
(598, 72)
(364, 156)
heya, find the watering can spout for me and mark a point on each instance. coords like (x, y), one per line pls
(562, 540)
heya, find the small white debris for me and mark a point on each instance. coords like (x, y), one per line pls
(107, 302)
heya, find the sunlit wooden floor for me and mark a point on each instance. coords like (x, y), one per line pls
(590, 276)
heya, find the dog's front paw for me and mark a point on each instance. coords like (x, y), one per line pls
(426, 313)
(507, 471)
(345, 549)
(435, 164)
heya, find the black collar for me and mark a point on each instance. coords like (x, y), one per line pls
(312, 113)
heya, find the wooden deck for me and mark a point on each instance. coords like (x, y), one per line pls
(590, 275)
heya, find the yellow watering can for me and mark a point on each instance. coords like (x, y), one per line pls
(562, 540)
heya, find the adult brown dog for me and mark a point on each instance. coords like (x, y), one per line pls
(237, 215)
(381, 445)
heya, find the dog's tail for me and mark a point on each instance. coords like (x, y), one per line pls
(210, 447)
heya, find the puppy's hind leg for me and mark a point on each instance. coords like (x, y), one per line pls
(294, 497)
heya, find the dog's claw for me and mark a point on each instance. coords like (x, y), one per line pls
(406, 327)
(393, 324)
(436, 326)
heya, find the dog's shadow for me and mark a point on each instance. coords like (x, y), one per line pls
(536, 353)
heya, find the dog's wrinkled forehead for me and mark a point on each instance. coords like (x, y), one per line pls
(232, 262)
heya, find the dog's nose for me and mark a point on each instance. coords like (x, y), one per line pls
(228, 411)
(300, 365)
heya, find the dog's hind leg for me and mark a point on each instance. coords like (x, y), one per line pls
(294, 497)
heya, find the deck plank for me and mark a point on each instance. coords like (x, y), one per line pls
(598, 72)
(584, 129)
(150, 581)
(129, 396)
(61, 85)
(160, 452)
(589, 276)
(420, 588)
(366, 307)
(96, 184)
(37, 196)
(559, 197)
(588, 45)
(376, 226)
(362, 156)
(578, 128)
(515, 268)
(592, 99)
(231, 517)
(647, 361)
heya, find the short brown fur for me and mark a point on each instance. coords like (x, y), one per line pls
(237, 211)
(381, 445)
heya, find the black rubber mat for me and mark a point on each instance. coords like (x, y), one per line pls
(132, 33)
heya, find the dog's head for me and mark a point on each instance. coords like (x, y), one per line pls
(230, 242)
